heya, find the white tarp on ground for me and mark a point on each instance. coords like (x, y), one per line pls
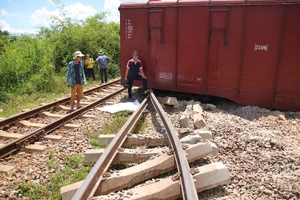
(128, 106)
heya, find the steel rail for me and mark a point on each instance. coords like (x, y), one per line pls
(92, 181)
(15, 146)
(188, 188)
(24, 115)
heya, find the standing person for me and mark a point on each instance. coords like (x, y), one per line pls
(76, 79)
(134, 71)
(103, 61)
(89, 63)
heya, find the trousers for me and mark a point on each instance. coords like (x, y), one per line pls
(103, 75)
(130, 82)
(90, 72)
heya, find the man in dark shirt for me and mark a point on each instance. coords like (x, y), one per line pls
(76, 79)
(134, 71)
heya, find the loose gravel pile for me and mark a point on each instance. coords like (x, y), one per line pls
(260, 147)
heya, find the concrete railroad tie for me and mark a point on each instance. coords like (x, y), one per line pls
(161, 164)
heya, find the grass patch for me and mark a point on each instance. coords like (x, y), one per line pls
(93, 137)
(51, 152)
(34, 191)
(140, 125)
(119, 119)
(94, 141)
(73, 171)
(116, 123)
(15, 102)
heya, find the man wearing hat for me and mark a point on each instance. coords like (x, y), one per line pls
(89, 63)
(103, 61)
(76, 79)
(134, 71)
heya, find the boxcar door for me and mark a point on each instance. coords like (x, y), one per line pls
(161, 69)
(223, 56)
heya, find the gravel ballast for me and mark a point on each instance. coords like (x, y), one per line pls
(260, 147)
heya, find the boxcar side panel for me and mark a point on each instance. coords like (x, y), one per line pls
(162, 48)
(225, 51)
(246, 52)
(133, 36)
(288, 82)
(193, 24)
(262, 41)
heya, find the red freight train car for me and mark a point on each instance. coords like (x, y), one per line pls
(244, 50)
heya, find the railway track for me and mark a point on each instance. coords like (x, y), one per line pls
(184, 183)
(244, 145)
(54, 113)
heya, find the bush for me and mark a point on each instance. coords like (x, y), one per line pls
(33, 64)
(3, 97)
(26, 64)
(113, 70)
(40, 82)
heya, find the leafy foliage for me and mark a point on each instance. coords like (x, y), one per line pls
(4, 39)
(88, 36)
(26, 65)
(31, 64)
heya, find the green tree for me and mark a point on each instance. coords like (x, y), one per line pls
(30, 63)
(4, 39)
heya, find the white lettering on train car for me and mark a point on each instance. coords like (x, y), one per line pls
(129, 29)
(199, 78)
(185, 77)
(165, 75)
(260, 47)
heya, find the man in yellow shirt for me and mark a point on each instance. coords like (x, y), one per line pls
(89, 63)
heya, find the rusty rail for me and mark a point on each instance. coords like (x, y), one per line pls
(188, 189)
(24, 115)
(94, 178)
(15, 146)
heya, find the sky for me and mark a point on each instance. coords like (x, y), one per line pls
(26, 17)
